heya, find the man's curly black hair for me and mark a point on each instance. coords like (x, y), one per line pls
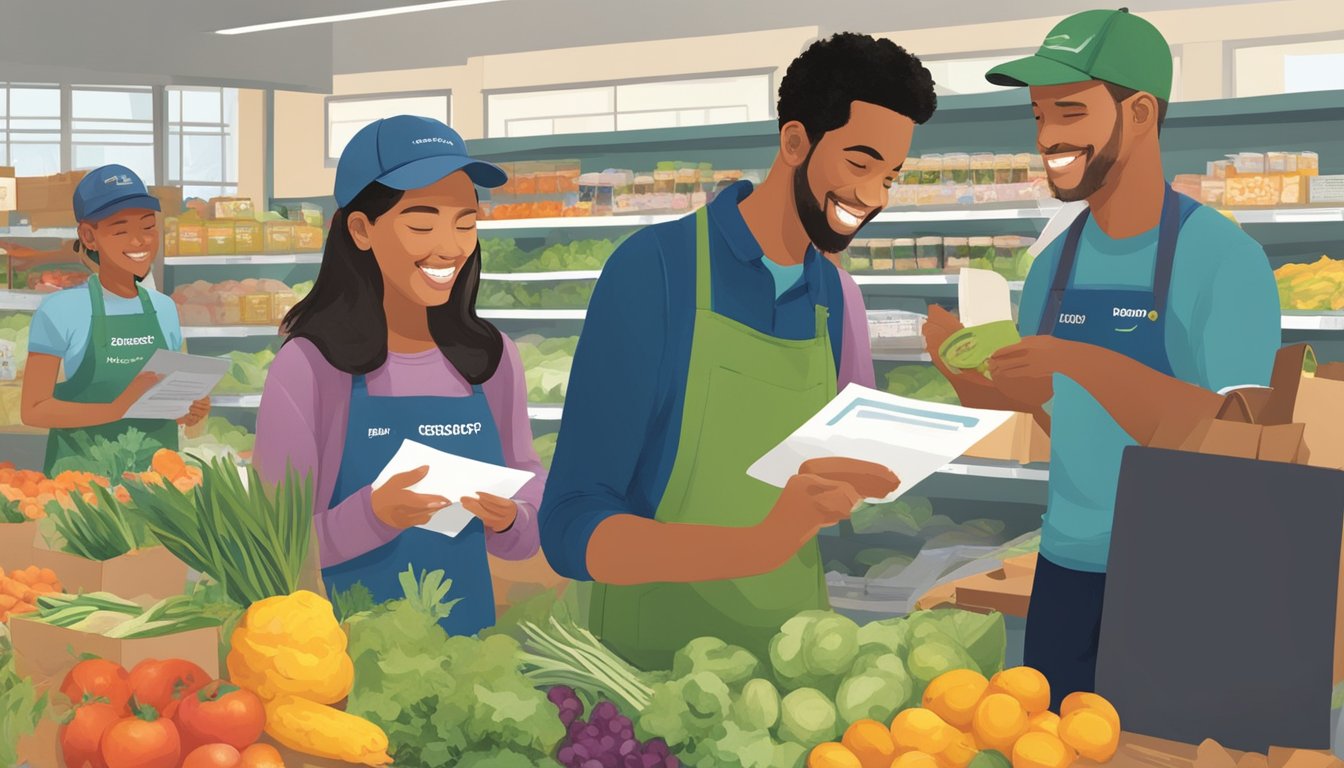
(831, 74)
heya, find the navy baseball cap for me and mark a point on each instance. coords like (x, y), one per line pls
(406, 152)
(109, 189)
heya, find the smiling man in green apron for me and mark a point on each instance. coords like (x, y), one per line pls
(708, 341)
(1147, 309)
(104, 332)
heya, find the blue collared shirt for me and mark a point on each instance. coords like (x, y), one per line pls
(622, 417)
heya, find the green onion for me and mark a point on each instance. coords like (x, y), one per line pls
(9, 512)
(250, 537)
(99, 531)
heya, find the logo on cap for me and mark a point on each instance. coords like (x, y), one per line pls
(121, 181)
(1056, 46)
(435, 140)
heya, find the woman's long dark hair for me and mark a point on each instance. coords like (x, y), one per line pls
(343, 315)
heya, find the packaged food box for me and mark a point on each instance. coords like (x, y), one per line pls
(47, 193)
(1036, 169)
(231, 208)
(1252, 190)
(1248, 163)
(956, 254)
(957, 168)
(1021, 167)
(229, 310)
(913, 171)
(931, 167)
(903, 254)
(1308, 163)
(1326, 189)
(307, 238)
(1211, 191)
(929, 253)
(880, 251)
(248, 237)
(1188, 184)
(307, 213)
(982, 168)
(1294, 191)
(279, 236)
(895, 324)
(219, 236)
(170, 199)
(1277, 162)
(525, 183)
(170, 243)
(665, 178)
(257, 308)
(858, 256)
(191, 238)
(545, 177)
(1003, 169)
(281, 303)
(904, 195)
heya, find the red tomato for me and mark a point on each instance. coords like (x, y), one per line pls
(146, 741)
(213, 756)
(163, 684)
(221, 713)
(262, 756)
(98, 678)
(80, 736)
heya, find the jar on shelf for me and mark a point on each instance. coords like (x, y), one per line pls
(982, 169)
(1021, 168)
(931, 167)
(903, 255)
(912, 173)
(665, 178)
(956, 254)
(858, 257)
(957, 168)
(881, 255)
(929, 253)
(1003, 169)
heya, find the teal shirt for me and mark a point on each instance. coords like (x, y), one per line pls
(785, 277)
(1222, 332)
(63, 321)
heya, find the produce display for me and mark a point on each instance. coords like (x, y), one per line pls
(53, 280)
(504, 255)
(921, 382)
(968, 721)
(1255, 179)
(231, 226)
(1318, 286)
(559, 188)
(573, 294)
(110, 616)
(234, 302)
(1006, 254)
(247, 373)
(21, 706)
(606, 734)
(222, 439)
(13, 347)
(98, 530)
(29, 493)
(21, 588)
(958, 178)
(546, 362)
(132, 451)
(545, 447)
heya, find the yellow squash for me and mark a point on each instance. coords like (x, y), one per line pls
(316, 729)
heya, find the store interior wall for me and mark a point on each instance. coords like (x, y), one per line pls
(1206, 40)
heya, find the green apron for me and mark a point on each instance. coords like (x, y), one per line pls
(119, 346)
(745, 392)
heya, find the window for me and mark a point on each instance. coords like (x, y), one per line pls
(113, 125)
(346, 115)
(1289, 67)
(954, 76)
(631, 106)
(30, 128)
(202, 151)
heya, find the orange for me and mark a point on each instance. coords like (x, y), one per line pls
(1025, 684)
(871, 742)
(1046, 722)
(1041, 750)
(1089, 732)
(922, 730)
(953, 695)
(1083, 700)
(168, 463)
(262, 756)
(999, 721)
(832, 755)
(959, 753)
(915, 759)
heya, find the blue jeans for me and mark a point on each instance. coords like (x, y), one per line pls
(1064, 628)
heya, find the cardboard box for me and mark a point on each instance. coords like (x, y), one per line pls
(170, 199)
(307, 238)
(48, 193)
(1253, 191)
(50, 219)
(45, 654)
(16, 544)
(219, 239)
(191, 239)
(248, 237)
(9, 189)
(152, 573)
(231, 208)
(279, 236)
(1020, 439)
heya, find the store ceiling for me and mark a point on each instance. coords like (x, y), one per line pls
(152, 41)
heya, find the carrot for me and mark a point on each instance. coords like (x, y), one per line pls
(23, 608)
(49, 576)
(21, 577)
(7, 602)
(43, 589)
(12, 588)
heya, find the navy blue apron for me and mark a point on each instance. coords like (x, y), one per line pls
(1064, 617)
(378, 425)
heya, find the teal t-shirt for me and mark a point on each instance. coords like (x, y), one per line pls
(785, 276)
(1222, 332)
(63, 321)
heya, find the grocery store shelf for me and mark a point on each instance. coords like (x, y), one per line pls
(227, 331)
(902, 357)
(1042, 211)
(545, 412)
(539, 277)
(576, 222)
(1318, 322)
(23, 233)
(236, 401)
(918, 280)
(1288, 215)
(20, 301)
(533, 314)
(219, 261)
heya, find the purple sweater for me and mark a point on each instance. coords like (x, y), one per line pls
(305, 407)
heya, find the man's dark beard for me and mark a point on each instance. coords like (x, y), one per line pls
(813, 214)
(1099, 165)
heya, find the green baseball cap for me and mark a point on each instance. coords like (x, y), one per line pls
(1115, 46)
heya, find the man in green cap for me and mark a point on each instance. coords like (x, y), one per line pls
(1149, 308)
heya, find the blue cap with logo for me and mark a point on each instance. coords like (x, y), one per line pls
(108, 190)
(406, 152)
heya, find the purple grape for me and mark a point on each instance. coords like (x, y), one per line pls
(581, 751)
(628, 747)
(560, 693)
(610, 760)
(605, 711)
(566, 754)
(592, 764)
(650, 761)
(657, 747)
(567, 718)
(607, 743)
(632, 761)
(671, 761)
(575, 729)
(591, 731)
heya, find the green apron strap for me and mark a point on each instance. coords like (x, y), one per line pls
(146, 304)
(98, 311)
(702, 274)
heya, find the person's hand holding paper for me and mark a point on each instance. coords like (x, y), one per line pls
(425, 487)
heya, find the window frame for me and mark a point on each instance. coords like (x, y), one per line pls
(170, 174)
(331, 162)
(1232, 47)
(157, 132)
(771, 74)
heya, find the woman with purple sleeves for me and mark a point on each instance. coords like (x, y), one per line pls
(388, 347)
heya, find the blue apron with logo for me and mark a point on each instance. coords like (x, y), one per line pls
(1064, 617)
(378, 425)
